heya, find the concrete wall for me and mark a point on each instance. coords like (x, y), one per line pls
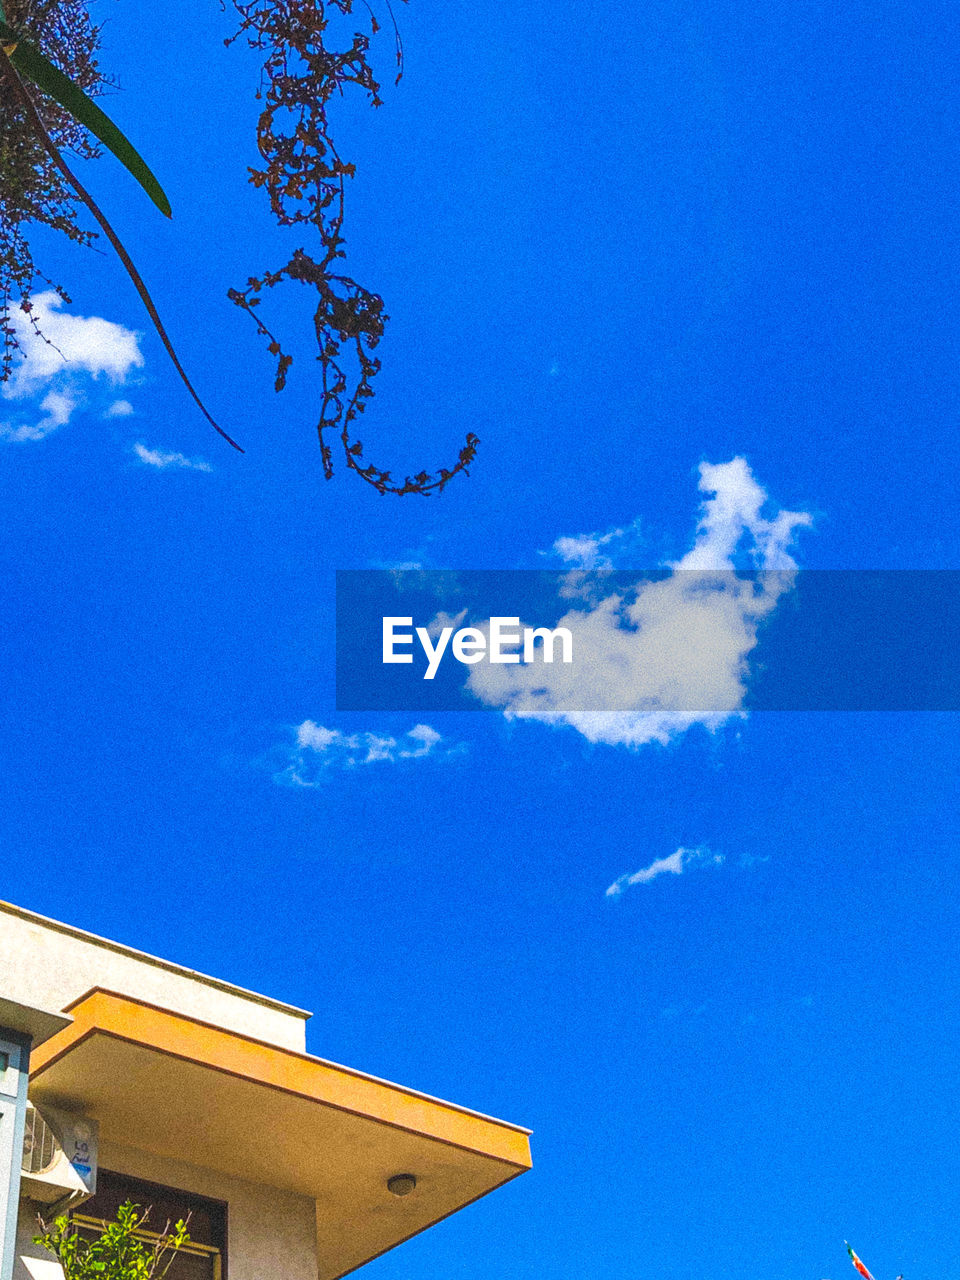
(48, 965)
(271, 1234)
(32, 1263)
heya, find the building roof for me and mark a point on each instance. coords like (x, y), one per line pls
(38, 1024)
(185, 1089)
(181, 970)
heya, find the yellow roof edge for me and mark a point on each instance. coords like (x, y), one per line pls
(179, 1035)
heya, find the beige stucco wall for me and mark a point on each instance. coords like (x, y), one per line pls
(271, 1234)
(48, 965)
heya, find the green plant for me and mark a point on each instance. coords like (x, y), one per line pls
(35, 180)
(31, 63)
(301, 171)
(124, 1250)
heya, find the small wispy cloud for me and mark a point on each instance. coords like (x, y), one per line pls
(675, 864)
(599, 550)
(55, 373)
(317, 749)
(118, 409)
(161, 460)
(57, 406)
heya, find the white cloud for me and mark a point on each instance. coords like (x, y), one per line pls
(118, 409)
(158, 458)
(599, 550)
(54, 369)
(318, 749)
(731, 521)
(582, 551)
(673, 652)
(440, 620)
(58, 406)
(88, 343)
(675, 865)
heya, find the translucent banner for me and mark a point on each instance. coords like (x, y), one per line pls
(699, 644)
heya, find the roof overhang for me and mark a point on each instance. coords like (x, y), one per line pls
(38, 1024)
(190, 1091)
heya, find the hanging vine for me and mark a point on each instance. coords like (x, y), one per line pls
(304, 178)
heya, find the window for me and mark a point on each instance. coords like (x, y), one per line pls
(8, 1073)
(204, 1258)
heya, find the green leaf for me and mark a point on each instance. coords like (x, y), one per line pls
(30, 62)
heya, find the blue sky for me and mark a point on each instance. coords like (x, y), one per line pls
(616, 247)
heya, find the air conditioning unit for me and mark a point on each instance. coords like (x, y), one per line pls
(59, 1166)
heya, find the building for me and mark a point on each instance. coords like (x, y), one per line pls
(189, 1094)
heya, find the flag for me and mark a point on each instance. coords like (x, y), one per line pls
(858, 1264)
